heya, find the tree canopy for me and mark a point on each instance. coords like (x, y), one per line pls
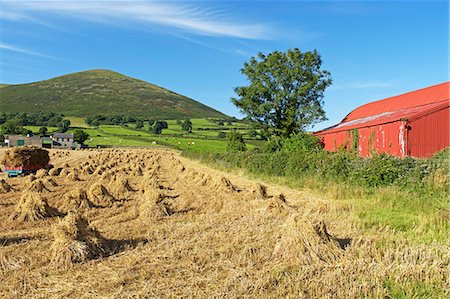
(285, 94)
(43, 131)
(12, 126)
(80, 136)
(158, 126)
(187, 126)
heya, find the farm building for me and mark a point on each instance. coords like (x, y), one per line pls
(20, 140)
(57, 140)
(62, 140)
(412, 124)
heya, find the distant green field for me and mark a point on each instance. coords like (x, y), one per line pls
(118, 130)
(91, 132)
(196, 145)
(182, 143)
(77, 122)
(174, 136)
(35, 129)
(117, 141)
(198, 141)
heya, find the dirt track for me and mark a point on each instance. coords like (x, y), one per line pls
(205, 233)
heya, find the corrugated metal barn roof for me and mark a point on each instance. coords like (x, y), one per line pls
(425, 96)
(405, 106)
(387, 117)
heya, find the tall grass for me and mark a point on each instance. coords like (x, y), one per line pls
(409, 196)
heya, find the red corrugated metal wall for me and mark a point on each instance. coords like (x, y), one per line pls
(386, 138)
(429, 134)
(412, 124)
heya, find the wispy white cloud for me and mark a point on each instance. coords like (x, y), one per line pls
(13, 16)
(12, 48)
(220, 47)
(184, 17)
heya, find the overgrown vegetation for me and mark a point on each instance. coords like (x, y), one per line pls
(393, 191)
(235, 142)
(302, 155)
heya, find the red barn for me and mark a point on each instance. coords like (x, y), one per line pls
(412, 124)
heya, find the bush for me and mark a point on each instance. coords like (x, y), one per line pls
(274, 144)
(139, 124)
(302, 141)
(302, 156)
(235, 142)
(252, 133)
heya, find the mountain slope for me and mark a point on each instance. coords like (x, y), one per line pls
(101, 92)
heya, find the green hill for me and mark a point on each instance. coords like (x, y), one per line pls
(101, 92)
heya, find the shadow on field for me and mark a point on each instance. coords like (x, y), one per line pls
(344, 242)
(12, 241)
(117, 246)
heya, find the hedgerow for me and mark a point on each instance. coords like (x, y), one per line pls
(303, 156)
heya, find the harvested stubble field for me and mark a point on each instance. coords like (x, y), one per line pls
(148, 223)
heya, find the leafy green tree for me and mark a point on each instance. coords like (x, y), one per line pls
(43, 130)
(139, 124)
(2, 138)
(235, 142)
(26, 132)
(187, 126)
(88, 120)
(12, 126)
(3, 118)
(222, 134)
(164, 124)
(80, 136)
(157, 127)
(130, 119)
(252, 133)
(55, 121)
(64, 125)
(285, 94)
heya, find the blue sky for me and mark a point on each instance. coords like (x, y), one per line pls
(372, 49)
